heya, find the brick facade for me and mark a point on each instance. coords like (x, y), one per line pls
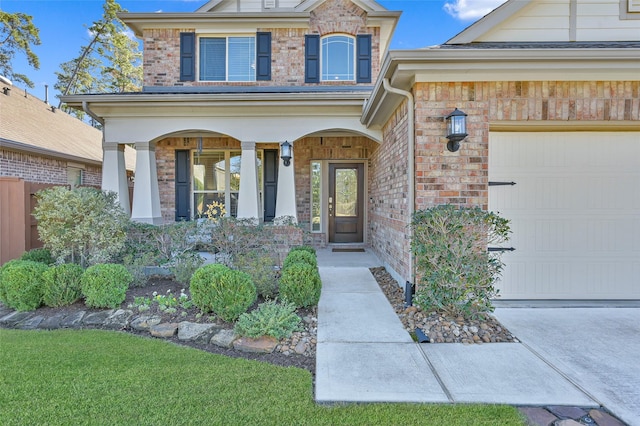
(161, 57)
(389, 194)
(35, 168)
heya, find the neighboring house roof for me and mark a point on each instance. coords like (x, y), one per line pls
(28, 124)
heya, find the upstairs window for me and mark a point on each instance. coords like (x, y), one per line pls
(227, 58)
(338, 58)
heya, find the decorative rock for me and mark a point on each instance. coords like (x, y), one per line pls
(145, 322)
(97, 318)
(4, 310)
(53, 322)
(164, 330)
(195, 331)
(538, 416)
(10, 320)
(264, 344)
(564, 412)
(119, 319)
(474, 330)
(31, 323)
(74, 320)
(300, 348)
(224, 338)
(604, 419)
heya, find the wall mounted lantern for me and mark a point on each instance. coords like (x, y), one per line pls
(456, 129)
(285, 153)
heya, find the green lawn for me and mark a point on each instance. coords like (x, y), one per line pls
(98, 377)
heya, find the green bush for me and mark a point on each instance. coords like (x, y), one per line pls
(457, 272)
(223, 291)
(300, 284)
(300, 256)
(304, 248)
(21, 284)
(62, 284)
(84, 225)
(260, 265)
(273, 319)
(105, 285)
(41, 255)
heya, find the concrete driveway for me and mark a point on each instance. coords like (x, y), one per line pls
(598, 349)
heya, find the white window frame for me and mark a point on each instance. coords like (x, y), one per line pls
(323, 40)
(226, 71)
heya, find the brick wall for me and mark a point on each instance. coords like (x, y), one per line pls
(34, 168)
(461, 178)
(388, 191)
(325, 148)
(161, 57)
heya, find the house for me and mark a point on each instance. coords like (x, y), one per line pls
(550, 90)
(40, 146)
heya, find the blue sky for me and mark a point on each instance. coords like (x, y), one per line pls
(63, 23)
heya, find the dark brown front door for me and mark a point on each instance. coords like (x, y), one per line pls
(346, 202)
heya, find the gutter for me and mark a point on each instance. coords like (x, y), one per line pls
(411, 159)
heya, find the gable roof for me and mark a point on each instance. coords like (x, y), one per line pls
(28, 124)
(545, 21)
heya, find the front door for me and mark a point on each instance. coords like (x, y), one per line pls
(346, 202)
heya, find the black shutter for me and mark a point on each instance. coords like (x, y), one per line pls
(312, 58)
(270, 170)
(263, 56)
(183, 181)
(187, 56)
(363, 55)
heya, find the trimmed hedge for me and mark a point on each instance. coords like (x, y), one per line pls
(62, 284)
(21, 284)
(105, 285)
(300, 284)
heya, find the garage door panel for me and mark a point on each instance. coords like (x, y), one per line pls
(574, 212)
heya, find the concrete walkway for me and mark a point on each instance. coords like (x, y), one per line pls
(365, 355)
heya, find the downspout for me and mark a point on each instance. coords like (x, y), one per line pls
(411, 160)
(85, 108)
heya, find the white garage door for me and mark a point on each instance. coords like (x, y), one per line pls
(575, 213)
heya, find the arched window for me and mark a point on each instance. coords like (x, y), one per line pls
(338, 58)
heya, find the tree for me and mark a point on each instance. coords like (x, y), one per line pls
(17, 34)
(111, 62)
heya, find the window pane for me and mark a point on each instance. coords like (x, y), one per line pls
(213, 58)
(209, 172)
(338, 58)
(315, 196)
(242, 59)
(74, 177)
(346, 192)
(234, 167)
(202, 200)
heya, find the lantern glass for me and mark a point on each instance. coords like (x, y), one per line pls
(285, 152)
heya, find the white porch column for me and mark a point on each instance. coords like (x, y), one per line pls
(249, 197)
(114, 173)
(286, 196)
(146, 195)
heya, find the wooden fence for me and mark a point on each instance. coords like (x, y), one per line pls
(18, 228)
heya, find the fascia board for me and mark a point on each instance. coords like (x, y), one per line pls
(488, 22)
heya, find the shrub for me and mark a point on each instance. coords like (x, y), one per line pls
(308, 249)
(457, 272)
(223, 291)
(260, 265)
(62, 284)
(84, 225)
(41, 255)
(300, 284)
(105, 285)
(273, 319)
(21, 284)
(184, 266)
(300, 256)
